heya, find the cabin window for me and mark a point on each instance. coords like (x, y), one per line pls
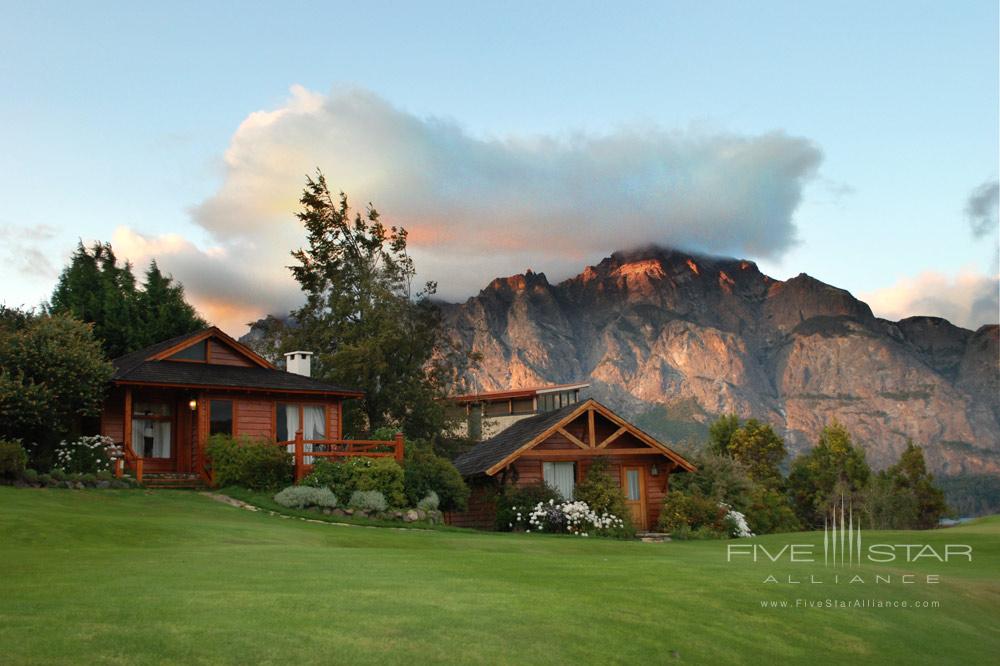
(560, 476)
(523, 406)
(196, 352)
(633, 490)
(497, 408)
(151, 429)
(291, 417)
(547, 402)
(220, 417)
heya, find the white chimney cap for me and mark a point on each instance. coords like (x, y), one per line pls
(299, 363)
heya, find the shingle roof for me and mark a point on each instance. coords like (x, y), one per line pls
(229, 376)
(134, 367)
(491, 451)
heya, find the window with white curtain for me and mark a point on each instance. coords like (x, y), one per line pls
(560, 476)
(313, 423)
(151, 429)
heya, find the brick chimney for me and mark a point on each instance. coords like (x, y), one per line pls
(299, 362)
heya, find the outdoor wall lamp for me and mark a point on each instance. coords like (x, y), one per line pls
(654, 470)
(193, 404)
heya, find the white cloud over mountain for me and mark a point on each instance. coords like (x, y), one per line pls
(476, 207)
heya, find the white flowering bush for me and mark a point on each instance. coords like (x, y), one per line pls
(87, 455)
(736, 522)
(566, 518)
(304, 497)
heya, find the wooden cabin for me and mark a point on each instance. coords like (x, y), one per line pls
(482, 415)
(168, 399)
(557, 447)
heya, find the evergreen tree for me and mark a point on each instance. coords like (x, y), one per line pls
(835, 467)
(363, 320)
(95, 289)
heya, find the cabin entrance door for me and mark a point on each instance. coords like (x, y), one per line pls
(634, 485)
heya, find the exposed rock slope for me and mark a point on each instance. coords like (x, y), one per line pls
(672, 337)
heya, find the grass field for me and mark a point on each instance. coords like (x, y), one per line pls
(174, 577)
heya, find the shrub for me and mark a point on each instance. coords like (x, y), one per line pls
(693, 511)
(520, 500)
(303, 497)
(603, 494)
(30, 476)
(87, 455)
(13, 459)
(426, 472)
(368, 500)
(256, 464)
(429, 503)
(88, 479)
(58, 475)
(359, 473)
(385, 476)
(45, 479)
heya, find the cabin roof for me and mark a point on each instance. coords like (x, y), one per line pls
(145, 367)
(487, 456)
(529, 392)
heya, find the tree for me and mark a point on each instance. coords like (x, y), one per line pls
(835, 464)
(95, 289)
(367, 327)
(904, 495)
(721, 432)
(52, 376)
(759, 448)
(162, 309)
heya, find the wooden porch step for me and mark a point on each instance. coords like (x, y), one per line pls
(173, 481)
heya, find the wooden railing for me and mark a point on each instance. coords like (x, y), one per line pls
(130, 459)
(341, 448)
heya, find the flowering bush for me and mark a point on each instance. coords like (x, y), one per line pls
(736, 522)
(87, 455)
(567, 518)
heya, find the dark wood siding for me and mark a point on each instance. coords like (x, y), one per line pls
(219, 354)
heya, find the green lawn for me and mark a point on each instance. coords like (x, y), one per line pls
(174, 577)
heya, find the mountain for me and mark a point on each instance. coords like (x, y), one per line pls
(674, 339)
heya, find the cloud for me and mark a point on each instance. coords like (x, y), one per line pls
(478, 207)
(475, 207)
(968, 299)
(26, 249)
(981, 208)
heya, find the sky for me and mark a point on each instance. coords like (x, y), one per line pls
(854, 141)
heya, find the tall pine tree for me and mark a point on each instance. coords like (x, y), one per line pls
(95, 289)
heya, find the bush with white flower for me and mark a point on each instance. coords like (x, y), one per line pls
(736, 522)
(87, 455)
(566, 518)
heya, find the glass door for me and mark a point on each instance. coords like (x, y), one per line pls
(634, 485)
(152, 433)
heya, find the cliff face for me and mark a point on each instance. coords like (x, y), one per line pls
(675, 339)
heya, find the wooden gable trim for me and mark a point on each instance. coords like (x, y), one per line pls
(643, 437)
(571, 437)
(592, 406)
(213, 332)
(612, 437)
